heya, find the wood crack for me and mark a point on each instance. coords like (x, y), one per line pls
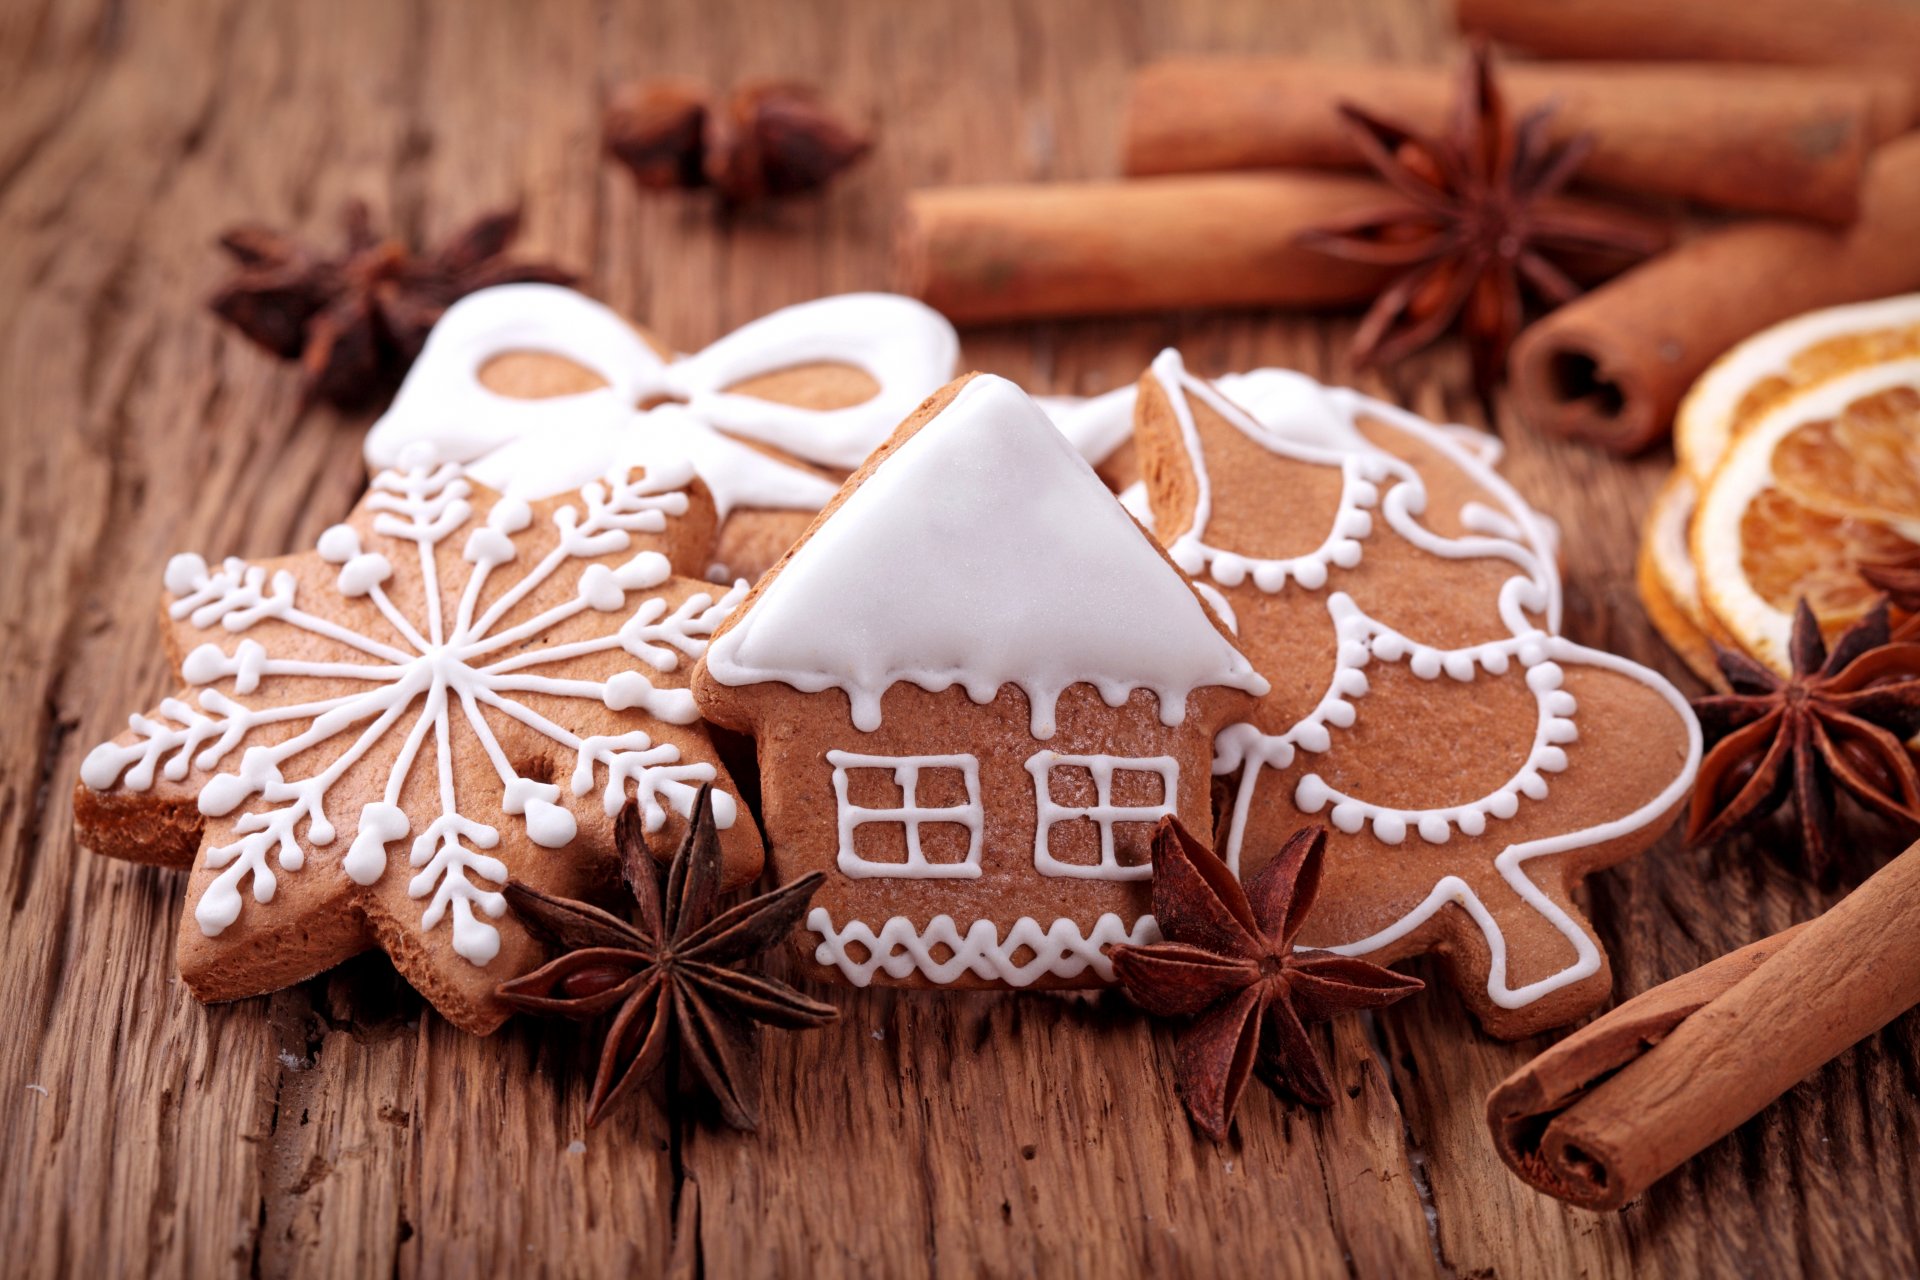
(1334, 1218)
(51, 732)
(1415, 1149)
(683, 1206)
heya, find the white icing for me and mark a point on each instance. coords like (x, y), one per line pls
(1300, 420)
(982, 552)
(1281, 400)
(910, 815)
(1217, 601)
(1511, 861)
(1292, 408)
(542, 448)
(440, 664)
(1553, 729)
(1096, 427)
(1103, 812)
(903, 949)
(1303, 421)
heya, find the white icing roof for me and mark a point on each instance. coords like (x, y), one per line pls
(983, 551)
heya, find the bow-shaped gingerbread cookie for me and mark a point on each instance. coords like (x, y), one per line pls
(772, 416)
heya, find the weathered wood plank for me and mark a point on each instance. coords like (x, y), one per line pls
(334, 1129)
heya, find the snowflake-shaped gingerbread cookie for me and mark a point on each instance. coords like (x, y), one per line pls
(453, 688)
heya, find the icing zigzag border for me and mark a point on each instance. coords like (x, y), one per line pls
(902, 948)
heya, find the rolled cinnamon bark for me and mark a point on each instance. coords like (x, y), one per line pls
(1859, 33)
(1058, 249)
(1610, 367)
(1758, 139)
(1625, 1100)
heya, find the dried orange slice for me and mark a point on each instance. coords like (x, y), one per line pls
(1863, 464)
(1776, 364)
(1669, 588)
(1822, 482)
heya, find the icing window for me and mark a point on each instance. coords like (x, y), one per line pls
(909, 816)
(1096, 813)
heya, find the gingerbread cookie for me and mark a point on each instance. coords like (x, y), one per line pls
(975, 685)
(1472, 763)
(454, 687)
(1101, 428)
(772, 417)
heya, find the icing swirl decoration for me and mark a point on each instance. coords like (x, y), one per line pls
(655, 412)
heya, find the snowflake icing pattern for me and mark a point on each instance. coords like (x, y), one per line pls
(465, 661)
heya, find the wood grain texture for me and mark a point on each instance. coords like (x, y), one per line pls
(339, 1129)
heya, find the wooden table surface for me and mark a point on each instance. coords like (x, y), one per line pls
(340, 1128)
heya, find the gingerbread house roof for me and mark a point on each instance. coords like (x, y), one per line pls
(982, 551)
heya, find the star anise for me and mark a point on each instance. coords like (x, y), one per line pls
(1229, 962)
(667, 976)
(767, 139)
(1841, 718)
(357, 320)
(1481, 231)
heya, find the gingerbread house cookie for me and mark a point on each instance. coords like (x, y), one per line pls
(1472, 763)
(452, 688)
(540, 390)
(975, 685)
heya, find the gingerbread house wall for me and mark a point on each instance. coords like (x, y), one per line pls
(799, 748)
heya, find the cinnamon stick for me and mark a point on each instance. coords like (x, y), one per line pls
(1856, 33)
(1610, 367)
(992, 253)
(1014, 252)
(1625, 1100)
(1758, 139)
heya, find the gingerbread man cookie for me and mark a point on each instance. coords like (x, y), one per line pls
(541, 389)
(1472, 763)
(975, 685)
(453, 688)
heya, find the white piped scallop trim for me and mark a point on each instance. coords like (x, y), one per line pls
(1512, 860)
(1554, 728)
(1516, 533)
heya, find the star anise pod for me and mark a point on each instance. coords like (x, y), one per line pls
(767, 139)
(1229, 963)
(356, 321)
(658, 129)
(1841, 718)
(1481, 229)
(667, 977)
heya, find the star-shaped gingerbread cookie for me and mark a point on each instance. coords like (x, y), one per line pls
(453, 688)
(1471, 763)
